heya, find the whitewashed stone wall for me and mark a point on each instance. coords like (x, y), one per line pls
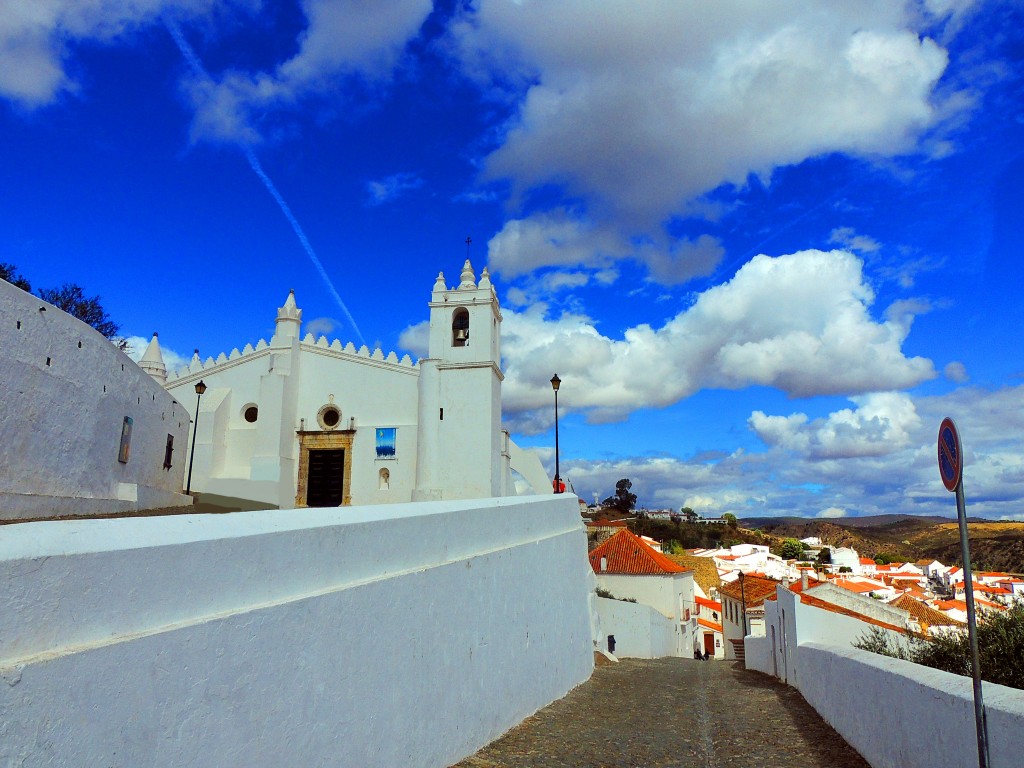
(406, 634)
(64, 393)
(932, 724)
(640, 632)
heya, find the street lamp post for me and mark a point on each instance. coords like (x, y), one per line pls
(200, 388)
(555, 382)
(743, 600)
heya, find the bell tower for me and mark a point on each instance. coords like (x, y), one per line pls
(459, 450)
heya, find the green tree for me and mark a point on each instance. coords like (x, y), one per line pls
(10, 273)
(673, 547)
(730, 519)
(623, 500)
(1000, 648)
(791, 549)
(688, 514)
(72, 299)
(824, 556)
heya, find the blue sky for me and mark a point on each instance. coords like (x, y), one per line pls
(766, 248)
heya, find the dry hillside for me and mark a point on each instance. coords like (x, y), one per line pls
(997, 546)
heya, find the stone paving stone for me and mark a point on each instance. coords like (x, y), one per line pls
(673, 713)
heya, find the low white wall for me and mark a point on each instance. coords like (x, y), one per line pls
(408, 634)
(640, 631)
(64, 393)
(932, 720)
(757, 654)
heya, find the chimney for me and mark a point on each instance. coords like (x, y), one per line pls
(803, 579)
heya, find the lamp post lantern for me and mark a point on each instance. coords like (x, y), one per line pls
(555, 382)
(200, 389)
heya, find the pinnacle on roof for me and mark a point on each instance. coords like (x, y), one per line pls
(290, 310)
(485, 279)
(439, 283)
(153, 354)
(468, 278)
(152, 361)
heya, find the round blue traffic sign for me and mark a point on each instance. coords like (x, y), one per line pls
(951, 460)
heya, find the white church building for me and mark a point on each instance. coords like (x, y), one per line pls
(298, 422)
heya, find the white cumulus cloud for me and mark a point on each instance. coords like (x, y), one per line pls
(637, 111)
(881, 424)
(800, 323)
(36, 37)
(392, 187)
(832, 512)
(342, 38)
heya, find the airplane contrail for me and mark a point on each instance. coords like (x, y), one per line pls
(197, 66)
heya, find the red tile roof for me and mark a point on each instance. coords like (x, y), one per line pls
(627, 554)
(979, 587)
(961, 605)
(715, 606)
(710, 625)
(798, 586)
(819, 603)
(925, 615)
(755, 590)
(856, 586)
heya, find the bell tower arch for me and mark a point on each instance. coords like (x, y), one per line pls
(459, 450)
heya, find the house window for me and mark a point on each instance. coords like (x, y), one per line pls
(168, 451)
(251, 413)
(383, 480)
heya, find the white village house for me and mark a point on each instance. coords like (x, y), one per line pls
(298, 422)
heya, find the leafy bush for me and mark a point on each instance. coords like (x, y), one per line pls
(602, 592)
(1000, 648)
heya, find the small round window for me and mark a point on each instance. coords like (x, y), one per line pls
(251, 413)
(329, 417)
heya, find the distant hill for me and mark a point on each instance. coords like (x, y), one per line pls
(867, 521)
(997, 546)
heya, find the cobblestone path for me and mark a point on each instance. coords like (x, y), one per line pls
(673, 712)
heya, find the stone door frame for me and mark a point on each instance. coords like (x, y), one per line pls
(333, 440)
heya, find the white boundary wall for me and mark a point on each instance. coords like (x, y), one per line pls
(932, 721)
(64, 393)
(640, 631)
(407, 634)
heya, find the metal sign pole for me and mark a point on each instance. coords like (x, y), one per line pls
(951, 470)
(972, 629)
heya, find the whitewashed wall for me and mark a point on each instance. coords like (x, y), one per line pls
(933, 723)
(289, 382)
(64, 393)
(407, 634)
(640, 631)
(670, 594)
